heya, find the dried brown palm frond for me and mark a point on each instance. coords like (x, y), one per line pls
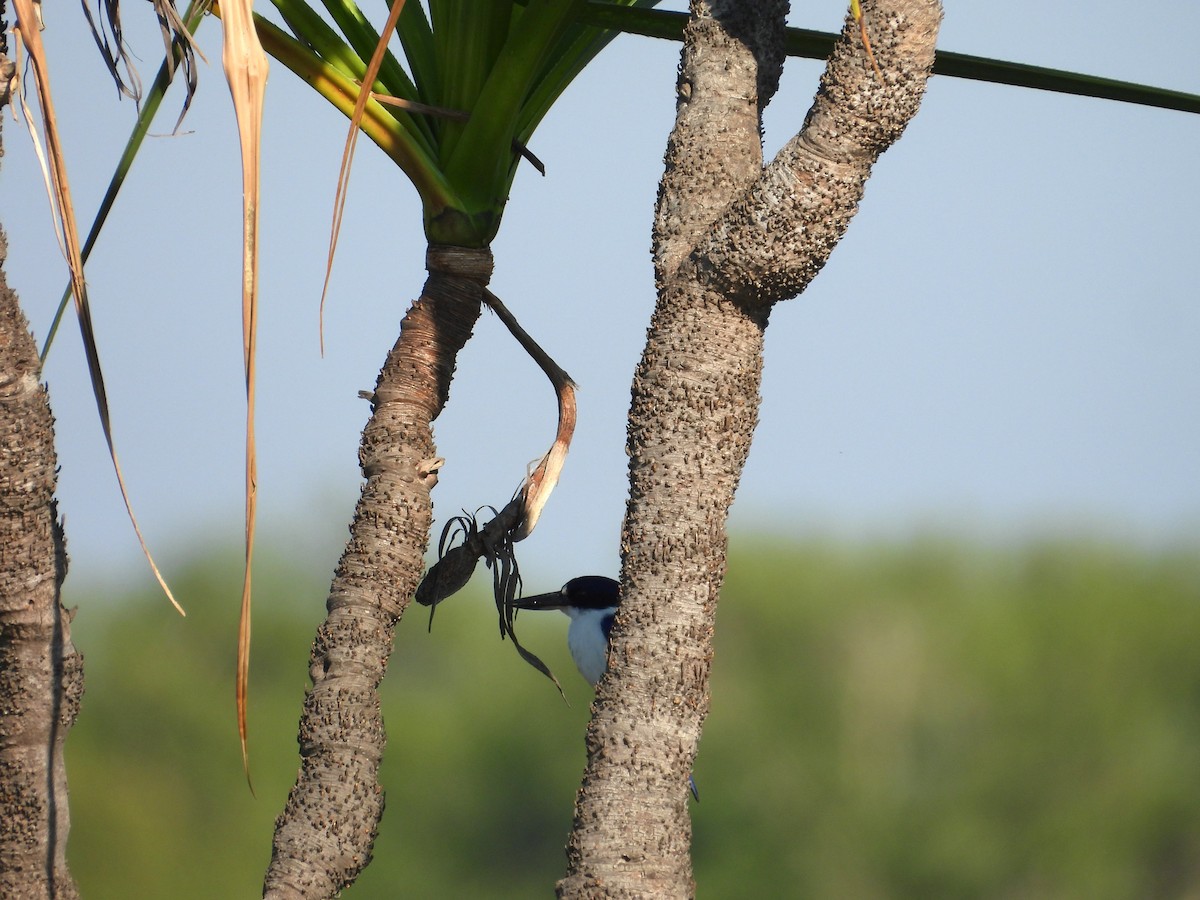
(110, 39)
(28, 34)
(494, 544)
(109, 35)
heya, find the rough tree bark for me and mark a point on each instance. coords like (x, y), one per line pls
(324, 836)
(41, 674)
(731, 239)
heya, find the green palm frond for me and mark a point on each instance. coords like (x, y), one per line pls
(578, 47)
(485, 73)
(380, 124)
(995, 71)
(488, 71)
(495, 67)
(808, 44)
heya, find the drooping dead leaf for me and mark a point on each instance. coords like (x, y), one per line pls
(494, 542)
(246, 67)
(339, 201)
(30, 38)
(109, 37)
(542, 481)
(192, 17)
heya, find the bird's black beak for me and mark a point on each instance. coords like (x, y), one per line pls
(551, 600)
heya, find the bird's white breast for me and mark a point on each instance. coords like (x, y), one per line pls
(588, 642)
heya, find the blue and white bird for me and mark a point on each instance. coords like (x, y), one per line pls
(591, 602)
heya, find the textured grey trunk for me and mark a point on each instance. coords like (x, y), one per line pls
(41, 674)
(731, 239)
(324, 836)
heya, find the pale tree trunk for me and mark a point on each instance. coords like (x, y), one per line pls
(41, 674)
(731, 239)
(324, 836)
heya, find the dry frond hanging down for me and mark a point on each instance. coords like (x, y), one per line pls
(110, 39)
(536, 490)
(246, 69)
(339, 199)
(29, 36)
(495, 541)
(177, 37)
(494, 544)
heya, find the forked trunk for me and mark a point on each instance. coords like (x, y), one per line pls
(731, 239)
(324, 836)
(41, 673)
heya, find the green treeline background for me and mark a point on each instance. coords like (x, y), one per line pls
(931, 719)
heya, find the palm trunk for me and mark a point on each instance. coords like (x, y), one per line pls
(732, 238)
(41, 673)
(323, 838)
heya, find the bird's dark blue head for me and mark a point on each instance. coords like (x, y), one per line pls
(584, 592)
(592, 592)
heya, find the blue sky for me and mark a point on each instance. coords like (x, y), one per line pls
(1004, 343)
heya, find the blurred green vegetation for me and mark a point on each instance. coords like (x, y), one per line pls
(930, 719)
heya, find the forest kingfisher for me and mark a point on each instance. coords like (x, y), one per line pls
(591, 602)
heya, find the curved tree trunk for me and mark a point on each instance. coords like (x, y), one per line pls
(41, 674)
(324, 836)
(731, 239)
